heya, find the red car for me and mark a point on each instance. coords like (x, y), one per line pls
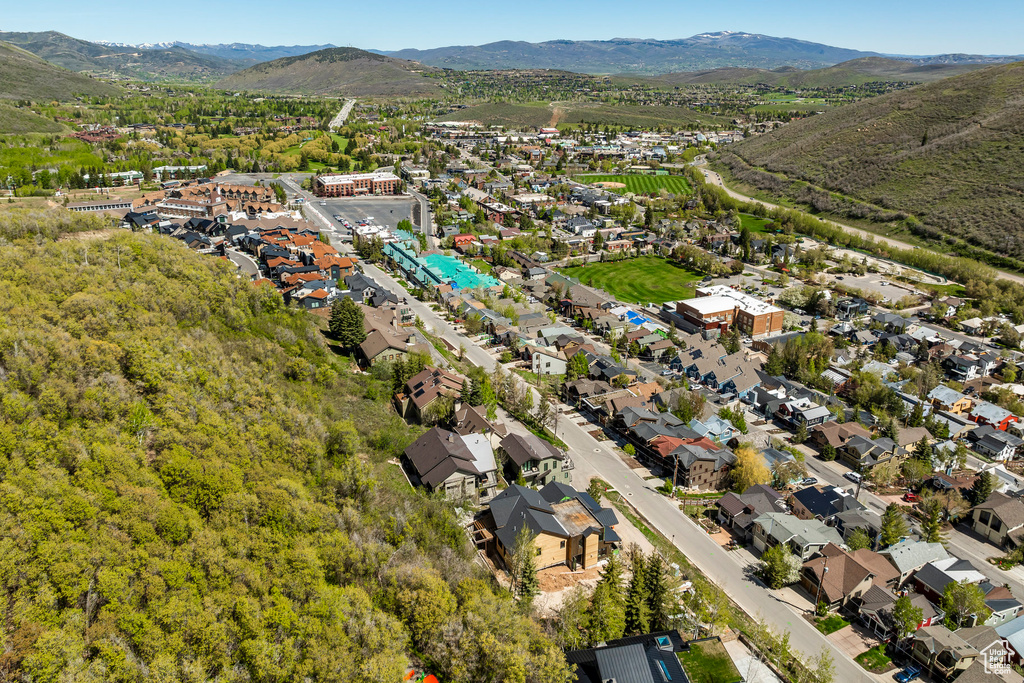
(910, 497)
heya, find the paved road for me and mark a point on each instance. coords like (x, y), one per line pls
(716, 179)
(600, 458)
(244, 263)
(342, 115)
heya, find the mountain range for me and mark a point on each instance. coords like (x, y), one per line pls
(703, 52)
(638, 56)
(336, 71)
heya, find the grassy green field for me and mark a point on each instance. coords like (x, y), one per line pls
(753, 223)
(708, 662)
(642, 184)
(647, 279)
(874, 660)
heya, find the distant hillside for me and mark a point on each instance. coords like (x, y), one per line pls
(335, 71)
(948, 153)
(853, 72)
(19, 121)
(703, 51)
(532, 116)
(82, 56)
(245, 54)
(24, 76)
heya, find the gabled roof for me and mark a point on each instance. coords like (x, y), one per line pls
(439, 453)
(522, 449)
(1008, 509)
(909, 555)
(843, 576)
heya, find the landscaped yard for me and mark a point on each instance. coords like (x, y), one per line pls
(831, 623)
(641, 184)
(708, 662)
(648, 279)
(875, 659)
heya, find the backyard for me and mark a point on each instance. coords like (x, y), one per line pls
(648, 279)
(708, 662)
(640, 184)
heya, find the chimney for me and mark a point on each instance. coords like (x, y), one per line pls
(451, 437)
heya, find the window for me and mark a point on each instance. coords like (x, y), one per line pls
(984, 517)
(538, 552)
(996, 525)
(561, 544)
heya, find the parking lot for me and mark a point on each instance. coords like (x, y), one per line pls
(386, 211)
(874, 282)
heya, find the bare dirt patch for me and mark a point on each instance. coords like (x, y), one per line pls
(88, 235)
(608, 185)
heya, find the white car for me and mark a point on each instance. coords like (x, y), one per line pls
(854, 477)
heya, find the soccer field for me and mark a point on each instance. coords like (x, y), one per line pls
(648, 279)
(641, 184)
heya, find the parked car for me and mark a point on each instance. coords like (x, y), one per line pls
(911, 497)
(809, 481)
(910, 673)
(854, 477)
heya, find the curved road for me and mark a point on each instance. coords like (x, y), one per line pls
(716, 179)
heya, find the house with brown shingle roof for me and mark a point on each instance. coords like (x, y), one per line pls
(836, 434)
(1000, 519)
(424, 389)
(835, 577)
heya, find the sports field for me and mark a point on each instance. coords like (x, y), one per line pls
(641, 184)
(648, 279)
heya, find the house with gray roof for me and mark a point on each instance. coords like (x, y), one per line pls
(908, 556)
(533, 458)
(647, 658)
(462, 466)
(568, 526)
(804, 537)
(737, 511)
(1000, 520)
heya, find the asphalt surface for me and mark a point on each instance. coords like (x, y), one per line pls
(338, 120)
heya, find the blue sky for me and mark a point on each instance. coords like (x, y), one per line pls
(889, 26)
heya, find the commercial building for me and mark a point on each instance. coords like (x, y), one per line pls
(718, 308)
(355, 184)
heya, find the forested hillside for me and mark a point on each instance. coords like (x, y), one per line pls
(945, 154)
(193, 487)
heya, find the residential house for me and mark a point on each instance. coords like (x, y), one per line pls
(648, 658)
(821, 502)
(849, 521)
(535, 460)
(426, 389)
(803, 412)
(701, 468)
(944, 654)
(473, 420)
(1000, 520)
(863, 454)
(462, 466)
(545, 360)
(908, 556)
(803, 537)
(834, 577)
(949, 400)
(932, 580)
(876, 611)
(738, 511)
(995, 444)
(985, 413)
(569, 527)
(837, 435)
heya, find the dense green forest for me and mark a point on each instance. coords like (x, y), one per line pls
(194, 487)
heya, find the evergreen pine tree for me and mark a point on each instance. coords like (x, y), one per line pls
(931, 525)
(607, 607)
(657, 594)
(351, 332)
(637, 614)
(982, 488)
(466, 395)
(894, 526)
(774, 366)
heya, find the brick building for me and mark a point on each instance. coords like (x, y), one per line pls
(355, 184)
(720, 308)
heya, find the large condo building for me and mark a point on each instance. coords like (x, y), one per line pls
(720, 307)
(354, 184)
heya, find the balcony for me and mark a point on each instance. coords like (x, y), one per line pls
(567, 465)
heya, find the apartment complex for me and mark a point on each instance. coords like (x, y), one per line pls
(355, 184)
(718, 308)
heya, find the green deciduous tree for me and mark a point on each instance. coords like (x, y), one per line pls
(779, 567)
(960, 600)
(858, 540)
(905, 617)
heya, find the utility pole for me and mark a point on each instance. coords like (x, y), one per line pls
(817, 597)
(675, 471)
